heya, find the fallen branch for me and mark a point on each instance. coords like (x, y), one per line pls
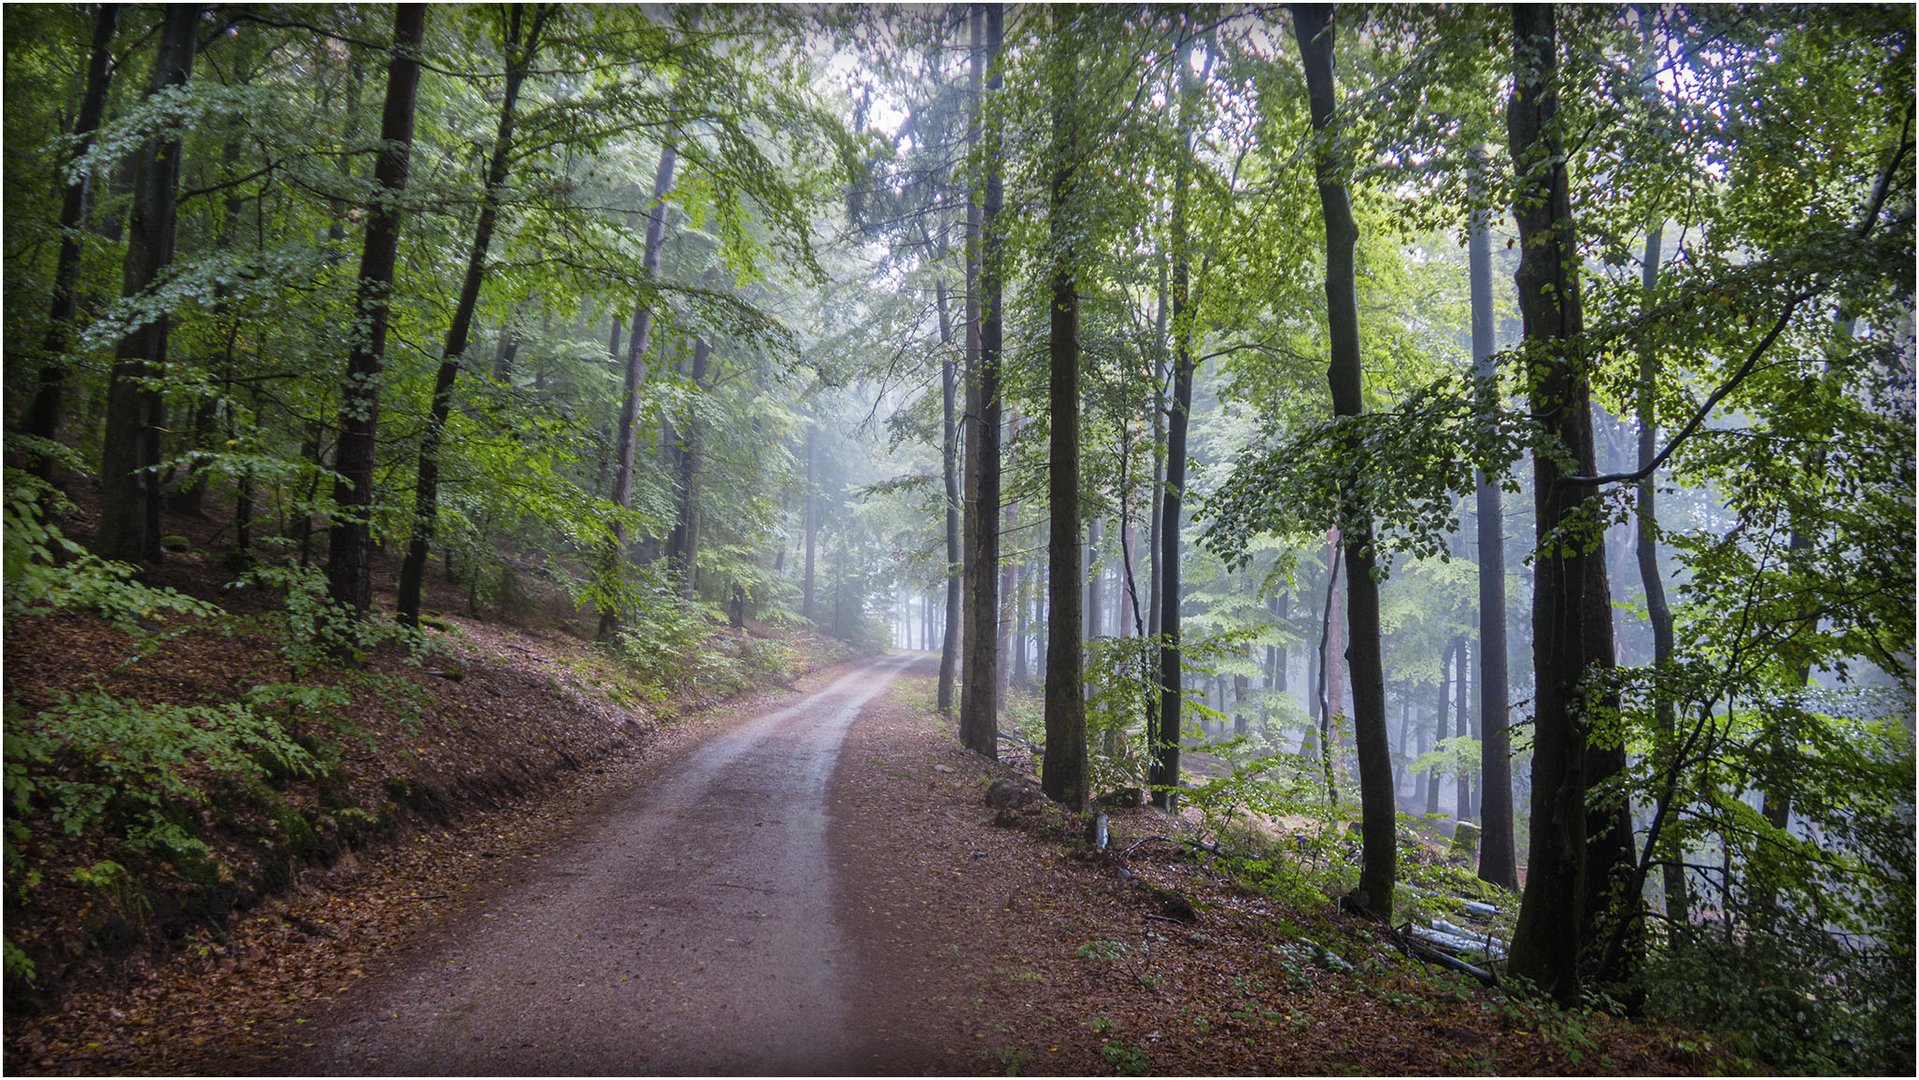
(1419, 950)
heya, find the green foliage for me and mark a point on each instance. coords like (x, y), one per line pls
(1454, 756)
(315, 633)
(45, 571)
(673, 644)
(96, 759)
(1127, 1058)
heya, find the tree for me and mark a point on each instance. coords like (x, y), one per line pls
(1163, 774)
(46, 415)
(950, 640)
(1496, 847)
(130, 453)
(1064, 772)
(634, 374)
(1578, 849)
(350, 536)
(979, 720)
(520, 43)
(1313, 26)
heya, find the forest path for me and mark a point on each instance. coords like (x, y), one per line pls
(691, 929)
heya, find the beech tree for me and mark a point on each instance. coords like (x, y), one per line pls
(350, 535)
(130, 454)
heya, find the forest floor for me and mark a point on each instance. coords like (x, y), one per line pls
(695, 905)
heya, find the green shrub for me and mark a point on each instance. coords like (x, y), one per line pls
(46, 572)
(94, 758)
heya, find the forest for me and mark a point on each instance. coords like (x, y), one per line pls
(1365, 430)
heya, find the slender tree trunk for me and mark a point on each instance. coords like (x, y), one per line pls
(686, 531)
(1462, 727)
(130, 454)
(949, 468)
(1438, 729)
(1156, 405)
(1658, 611)
(635, 373)
(1064, 775)
(519, 47)
(1405, 730)
(1577, 848)
(350, 537)
(46, 416)
(1011, 603)
(1094, 576)
(812, 523)
(979, 719)
(1316, 708)
(1163, 766)
(1312, 24)
(1497, 850)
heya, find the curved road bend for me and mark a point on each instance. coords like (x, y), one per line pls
(690, 930)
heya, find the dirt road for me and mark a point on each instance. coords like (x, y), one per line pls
(691, 928)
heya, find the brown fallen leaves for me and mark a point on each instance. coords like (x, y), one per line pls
(482, 778)
(1033, 960)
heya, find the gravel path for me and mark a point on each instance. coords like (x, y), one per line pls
(691, 929)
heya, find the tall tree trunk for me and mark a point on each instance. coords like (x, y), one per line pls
(1405, 731)
(1497, 850)
(1438, 729)
(812, 522)
(686, 531)
(1095, 576)
(979, 719)
(519, 43)
(1162, 772)
(949, 469)
(1009, 584)
(350, 536)
(1064, 775)
(46, 416)
(635, 373)
(1577, 849)
(1313, 26)
(130, 453)
(1462, 727)
(1658, 611)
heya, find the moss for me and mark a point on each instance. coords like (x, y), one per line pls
(297, 833)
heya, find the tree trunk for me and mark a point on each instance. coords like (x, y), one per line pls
(1497, 858)
(1658, 611)
(979, 718)
(1405, 733)
(1462, 727)
(350, 536)
(1162, 773)
(1094, 576)
(46, 415)
(949, 468)
(519, 48)
(686, 531)
(1064, 775)
(130, 453)
(1438, 729)
(1312, 24)
(1013, 645)
(635, 373)
(1012, 606)
(1576, 849)
(812, 522)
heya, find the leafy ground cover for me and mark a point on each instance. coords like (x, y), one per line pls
(1038, 957)
(169, 768)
